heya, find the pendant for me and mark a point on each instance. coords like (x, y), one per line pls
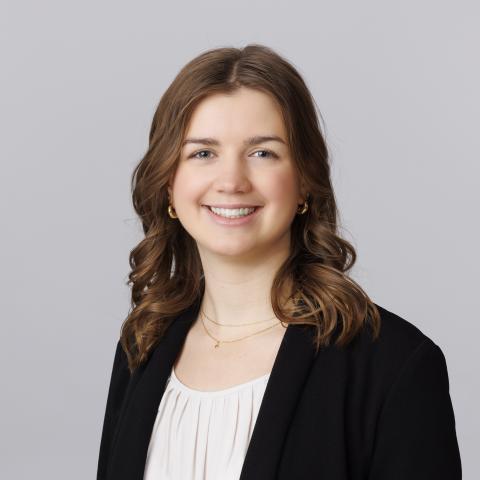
(217, 344)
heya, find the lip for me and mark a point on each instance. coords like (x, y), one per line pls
(232, 222)
(232, 205)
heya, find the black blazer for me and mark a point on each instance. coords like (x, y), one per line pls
(372, 410)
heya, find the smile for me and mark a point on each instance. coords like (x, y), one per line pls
(232, 212)
(232, 217)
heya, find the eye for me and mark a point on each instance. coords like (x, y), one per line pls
(268, 152)
(194, 155)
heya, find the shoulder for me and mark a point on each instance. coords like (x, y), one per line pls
(398, 336)
(408, 377)
(400, 343)
(399, 333)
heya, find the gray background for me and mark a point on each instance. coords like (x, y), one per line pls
(397, 84)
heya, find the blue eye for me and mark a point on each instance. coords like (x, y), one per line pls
(268, 154)
(194, 155)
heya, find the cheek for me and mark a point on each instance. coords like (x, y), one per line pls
(187, 188)
(282, 188)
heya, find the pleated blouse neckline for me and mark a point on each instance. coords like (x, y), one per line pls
(203, 435)
(177, 384)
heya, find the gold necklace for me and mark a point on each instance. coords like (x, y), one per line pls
(237, 339)
(241, 325)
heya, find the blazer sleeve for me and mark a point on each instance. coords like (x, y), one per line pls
(119, 379)
(416, 437)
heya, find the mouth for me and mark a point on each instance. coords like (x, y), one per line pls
(251, 207)
(232, 206)
(220, 213)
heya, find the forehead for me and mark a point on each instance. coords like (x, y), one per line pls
(245, 113)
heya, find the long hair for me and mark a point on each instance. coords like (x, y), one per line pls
(166, 274)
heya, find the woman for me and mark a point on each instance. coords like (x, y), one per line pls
(249, 352)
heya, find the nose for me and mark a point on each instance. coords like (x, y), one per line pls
(232, 175)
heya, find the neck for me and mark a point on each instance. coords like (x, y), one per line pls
(240, 296)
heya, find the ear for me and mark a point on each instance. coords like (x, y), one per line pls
(303, 187)
(303, 194)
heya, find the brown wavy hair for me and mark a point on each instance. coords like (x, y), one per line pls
(166, 275)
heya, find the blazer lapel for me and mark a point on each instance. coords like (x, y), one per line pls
(289, 373)
(290, 369)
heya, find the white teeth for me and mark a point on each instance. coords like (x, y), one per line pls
(232, 212)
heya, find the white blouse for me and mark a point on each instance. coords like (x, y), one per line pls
(203, 435)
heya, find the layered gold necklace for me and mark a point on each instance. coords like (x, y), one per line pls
(217, 344)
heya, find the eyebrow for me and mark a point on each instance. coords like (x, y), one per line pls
(255, 140)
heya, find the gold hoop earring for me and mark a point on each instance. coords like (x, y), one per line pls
(171, 212)
(304, 208)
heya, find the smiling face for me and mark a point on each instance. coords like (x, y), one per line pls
(233, 165)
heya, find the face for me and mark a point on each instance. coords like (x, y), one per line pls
(226, 169)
